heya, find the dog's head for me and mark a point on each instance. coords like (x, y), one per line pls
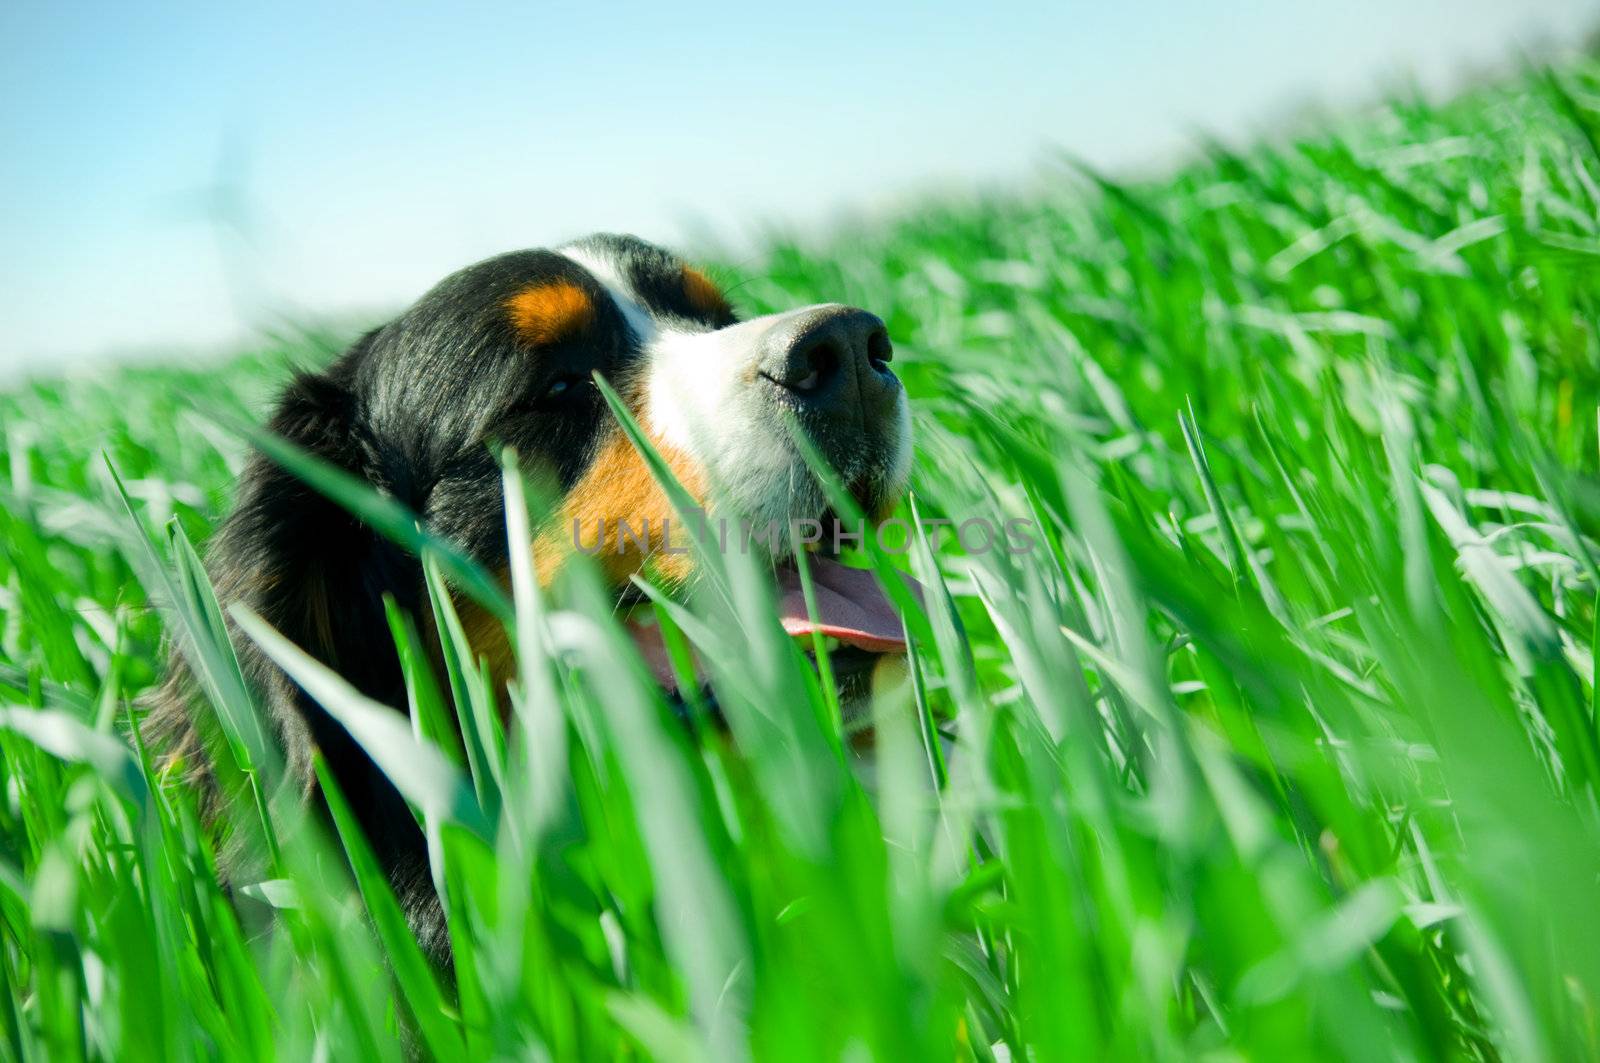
(503, 354)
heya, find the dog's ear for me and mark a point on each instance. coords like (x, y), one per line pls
(313, 570)
(319, 575)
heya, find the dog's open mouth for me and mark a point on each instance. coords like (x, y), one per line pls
(850, 607)
(852, 612)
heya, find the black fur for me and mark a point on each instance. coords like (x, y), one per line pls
(412, 408)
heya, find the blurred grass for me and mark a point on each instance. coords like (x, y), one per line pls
(1281, 743)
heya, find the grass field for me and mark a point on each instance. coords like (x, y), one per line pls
(1281, 744)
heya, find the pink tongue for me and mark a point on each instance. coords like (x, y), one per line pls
(850, 608)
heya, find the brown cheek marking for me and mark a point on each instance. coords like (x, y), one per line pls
(488, 639)
(703, 295)
(617, 486)
(545, 313)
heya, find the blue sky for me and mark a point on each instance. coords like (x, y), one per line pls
(380, 147)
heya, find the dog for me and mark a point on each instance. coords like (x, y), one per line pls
(504, 353)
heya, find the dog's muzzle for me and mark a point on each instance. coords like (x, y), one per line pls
(830, 366)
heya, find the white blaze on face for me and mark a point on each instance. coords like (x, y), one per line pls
(616, 285)
(704, 396)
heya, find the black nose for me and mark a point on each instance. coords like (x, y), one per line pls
(834, 362)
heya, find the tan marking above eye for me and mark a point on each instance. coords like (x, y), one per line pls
(702, 294)
(548, 312)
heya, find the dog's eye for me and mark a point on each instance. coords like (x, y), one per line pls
(561, 387)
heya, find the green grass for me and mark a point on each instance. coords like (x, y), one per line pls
(1282, 743)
